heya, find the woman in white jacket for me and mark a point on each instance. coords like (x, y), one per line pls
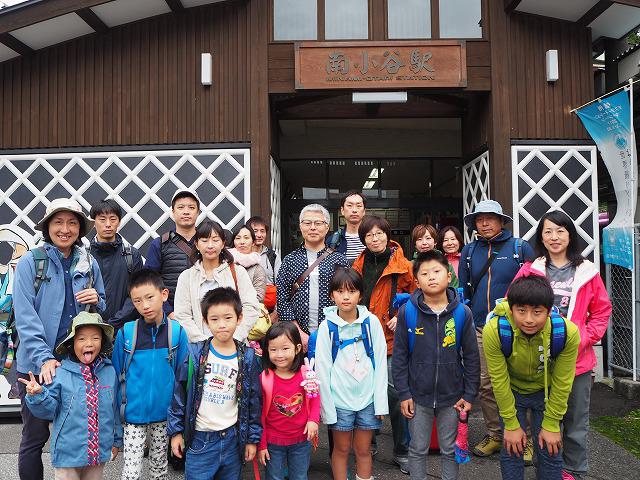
(214, 268)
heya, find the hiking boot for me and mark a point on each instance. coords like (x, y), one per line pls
(528, 453)
(488, 446)
(402, 462)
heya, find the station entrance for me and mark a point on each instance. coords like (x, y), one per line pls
(408, 163)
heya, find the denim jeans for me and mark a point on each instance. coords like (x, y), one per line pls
(548, 467)
(35, 433)
(213, 455)
(420, 427)
(399, 425)
(297, 457)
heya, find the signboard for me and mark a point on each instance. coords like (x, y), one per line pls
(380, 65)
(609, 122)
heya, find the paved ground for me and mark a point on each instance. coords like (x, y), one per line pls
(607, 460)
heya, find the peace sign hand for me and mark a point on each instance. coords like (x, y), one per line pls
(33, 387)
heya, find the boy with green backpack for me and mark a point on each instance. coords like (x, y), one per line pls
(531, 357)
(436, 365)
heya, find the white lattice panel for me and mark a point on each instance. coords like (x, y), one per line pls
(142, 182)
(475, 186)
(276, 242)
(555, 176)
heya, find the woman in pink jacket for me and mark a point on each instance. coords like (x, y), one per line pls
(580, 296)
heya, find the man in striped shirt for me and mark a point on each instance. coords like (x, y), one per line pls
(346, 240)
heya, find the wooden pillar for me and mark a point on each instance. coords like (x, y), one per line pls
(500, 119)
(258, 12)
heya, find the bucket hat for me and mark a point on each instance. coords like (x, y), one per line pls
(485, 206)
(81, 320)
(66, 205)
(185, 192)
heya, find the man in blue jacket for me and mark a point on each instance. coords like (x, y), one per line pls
(487, 268)
(117, 260)
(52, 284)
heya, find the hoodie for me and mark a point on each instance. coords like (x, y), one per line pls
(257, 275)
(494, 284)
(338, 387)
(589, 307)
(432, 374)
(527, 371)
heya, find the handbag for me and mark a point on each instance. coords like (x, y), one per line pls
(262, 325)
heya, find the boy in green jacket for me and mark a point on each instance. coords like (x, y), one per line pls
(531, 357)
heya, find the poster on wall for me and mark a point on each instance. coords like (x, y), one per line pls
(609, 122)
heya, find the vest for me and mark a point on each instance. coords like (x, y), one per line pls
(174, 262)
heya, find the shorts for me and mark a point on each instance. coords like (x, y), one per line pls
(349, 420)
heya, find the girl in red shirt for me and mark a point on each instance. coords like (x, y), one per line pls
(290, 412)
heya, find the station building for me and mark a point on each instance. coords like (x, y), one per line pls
(263, 106)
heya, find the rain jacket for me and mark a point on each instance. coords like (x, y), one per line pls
(589, 308)
(527, 371)
(381, 296)
(65, 403)
(433, 373)
(187, 394)
(494, 284)
(340, 389)
(38, 316)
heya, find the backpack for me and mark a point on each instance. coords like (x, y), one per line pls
(411, 319)
(130, 333)
(558, 334)
(9, 340)
(128, 256)
(271, 256)
(338, 344)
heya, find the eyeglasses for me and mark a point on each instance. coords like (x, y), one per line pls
(317, 223)
(371, 236)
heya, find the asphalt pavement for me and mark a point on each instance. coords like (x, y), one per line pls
(607, 460)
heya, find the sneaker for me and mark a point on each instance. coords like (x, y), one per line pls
(402, 462)
(528, 453)
(488, 446)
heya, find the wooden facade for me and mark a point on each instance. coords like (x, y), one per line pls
(138, 84)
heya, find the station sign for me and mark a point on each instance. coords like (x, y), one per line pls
(380, 65)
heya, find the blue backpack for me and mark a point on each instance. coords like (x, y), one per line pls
(558, 334)
(338, 344)
(411, 319)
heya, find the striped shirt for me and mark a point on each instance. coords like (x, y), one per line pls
(354, 246)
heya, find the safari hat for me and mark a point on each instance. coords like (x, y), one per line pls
(485, 206)
(81, 320)
(66, 205)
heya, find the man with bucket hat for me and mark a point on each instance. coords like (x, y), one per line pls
(487, 267)
(52, 284)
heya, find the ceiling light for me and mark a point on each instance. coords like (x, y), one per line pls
(379, 97)
(369, 184)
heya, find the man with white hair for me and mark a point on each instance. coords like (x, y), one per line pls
(304, 275)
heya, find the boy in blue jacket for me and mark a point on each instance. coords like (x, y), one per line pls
(434, 340)
(81, 401)
(217, 398)
(147, 354)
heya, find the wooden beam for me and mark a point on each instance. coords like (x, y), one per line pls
(594, 12)
(14, 44)
(511, 5)
(175, 5)
(41, 11)
(92, 20)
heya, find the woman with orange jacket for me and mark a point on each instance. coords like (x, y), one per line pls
(385, 272)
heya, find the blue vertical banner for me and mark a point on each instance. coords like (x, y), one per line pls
(609, 122)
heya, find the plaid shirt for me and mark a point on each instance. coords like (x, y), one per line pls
(297, 307)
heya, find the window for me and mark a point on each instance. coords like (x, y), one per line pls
(460, 18)
(346, 19)
(409, 18)
(295, 20)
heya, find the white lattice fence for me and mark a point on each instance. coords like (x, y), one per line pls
(556, 176)
(142, 182)
(475, 186)
(276, 241)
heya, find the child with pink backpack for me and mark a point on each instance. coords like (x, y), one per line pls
(290, 405)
